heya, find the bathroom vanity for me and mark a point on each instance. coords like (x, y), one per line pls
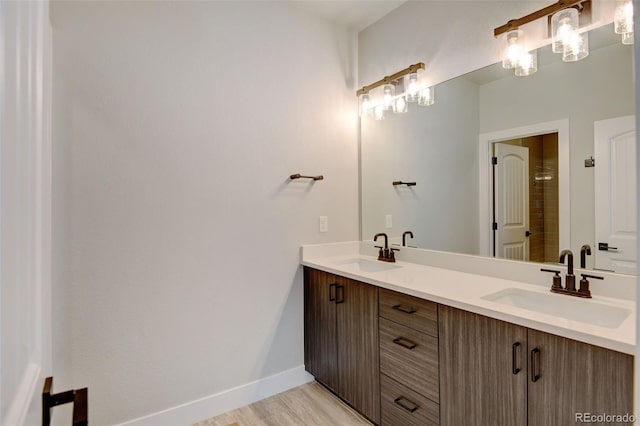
(414, 344)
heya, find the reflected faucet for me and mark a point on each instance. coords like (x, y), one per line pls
(584, 251)
(404, 236)
(570, 279)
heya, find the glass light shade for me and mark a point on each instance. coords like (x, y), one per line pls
(627, 38)
(577, 48)
(623, 19)
(563, 24)
(378, 112)
(400, 105)
(426, 96)
(387, 98)
(413, 87)
(365, 105)
(528, 64)
(513, 50)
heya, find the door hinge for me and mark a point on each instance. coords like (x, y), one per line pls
(494, 225)
(494, 160)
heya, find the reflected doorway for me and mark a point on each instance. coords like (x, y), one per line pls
(525, 208)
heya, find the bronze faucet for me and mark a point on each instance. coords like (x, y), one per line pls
(584, 251)
(404, 235)
(385, 254)
(570, 279)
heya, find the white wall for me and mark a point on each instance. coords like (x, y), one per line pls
(25, 209)
(176, 127)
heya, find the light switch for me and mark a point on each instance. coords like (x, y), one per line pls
(389, 221)
(324, 224)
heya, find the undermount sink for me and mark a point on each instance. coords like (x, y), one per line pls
(364, 265)
(572, 308)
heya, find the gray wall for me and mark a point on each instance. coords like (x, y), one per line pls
(177, 233)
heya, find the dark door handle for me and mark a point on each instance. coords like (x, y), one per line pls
(606, 247)
(405, 343)
(408, 405)
(403, 309)
(340, 291)
(535, 356)
(332, 292)
(527, 234)
(515, 369)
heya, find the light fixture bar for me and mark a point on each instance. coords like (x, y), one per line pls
(390, 78)
(514, 24)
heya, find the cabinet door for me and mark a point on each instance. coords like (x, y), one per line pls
(479, 381)
(574, 378)
(358, 359)
(320, 333)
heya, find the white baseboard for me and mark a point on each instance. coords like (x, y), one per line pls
(210, 406)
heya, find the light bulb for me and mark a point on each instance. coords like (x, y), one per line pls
(413, 87)
(387, 99)
(400, 105)
(577, 47)
(563, 24)
(514, 49)
(528, 64)
(426, 96)
(365, 104)
(623, 18)
(379, 112)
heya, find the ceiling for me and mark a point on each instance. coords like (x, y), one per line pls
(353, 14)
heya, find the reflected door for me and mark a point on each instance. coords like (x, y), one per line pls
(615, 194)
(511, 201)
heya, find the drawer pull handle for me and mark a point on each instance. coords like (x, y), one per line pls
(332, 292)
(405, 343)
(515, 369)
(409, 406)
(403, 309)
(340, 291)
(535, 355)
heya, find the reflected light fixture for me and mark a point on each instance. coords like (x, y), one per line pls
(566, 39)
(623, 21)
(398, 90)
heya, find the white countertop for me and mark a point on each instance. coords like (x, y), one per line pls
(469, 292)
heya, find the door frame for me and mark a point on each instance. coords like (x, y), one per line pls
(485, 188)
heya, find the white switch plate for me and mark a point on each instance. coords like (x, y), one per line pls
(324, 224)
(389, 221)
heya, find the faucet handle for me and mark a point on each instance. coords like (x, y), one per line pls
(584, 285)
(557, 279)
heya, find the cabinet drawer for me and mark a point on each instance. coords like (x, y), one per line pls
(403, 407)
(409, 357)
(411, 311)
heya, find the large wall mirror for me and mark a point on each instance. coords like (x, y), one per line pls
(545, 193)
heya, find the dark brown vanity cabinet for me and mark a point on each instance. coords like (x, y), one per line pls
(497, 373)
(409, 374)
(341, 338)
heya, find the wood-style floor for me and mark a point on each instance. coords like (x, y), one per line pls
(306, 405)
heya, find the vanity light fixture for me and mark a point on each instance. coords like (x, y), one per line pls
(399, 90)
(564, 31)
(623, 21)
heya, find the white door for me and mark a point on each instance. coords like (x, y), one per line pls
(512, 201)
(25, 209)
(615, 194)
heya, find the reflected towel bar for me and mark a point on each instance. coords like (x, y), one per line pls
(399, 182)
(299, 176)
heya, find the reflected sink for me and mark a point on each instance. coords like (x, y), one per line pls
(569, 307)
(364, 265)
